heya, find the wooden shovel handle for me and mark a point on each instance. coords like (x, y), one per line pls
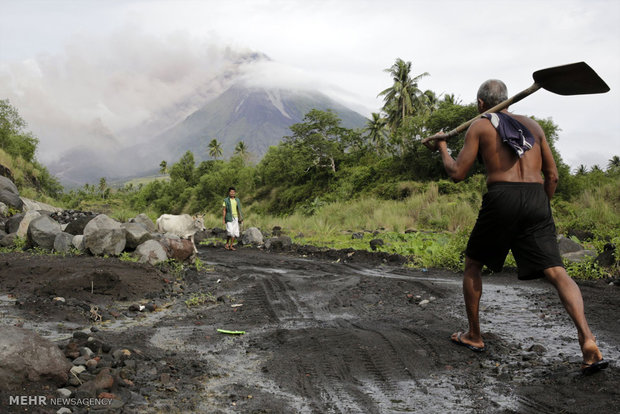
(500, 106)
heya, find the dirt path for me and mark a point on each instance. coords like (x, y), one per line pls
(336, 337)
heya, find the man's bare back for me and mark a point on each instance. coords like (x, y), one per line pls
(502, 164)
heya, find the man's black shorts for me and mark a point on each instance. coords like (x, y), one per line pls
(517, 217)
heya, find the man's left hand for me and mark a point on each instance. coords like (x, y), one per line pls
(433, 144)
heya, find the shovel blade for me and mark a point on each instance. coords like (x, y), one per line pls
(573, 79)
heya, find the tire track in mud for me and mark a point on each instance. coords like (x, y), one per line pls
(321, 349)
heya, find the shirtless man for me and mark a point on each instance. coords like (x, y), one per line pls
(515, 214)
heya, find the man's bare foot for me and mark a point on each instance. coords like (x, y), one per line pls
(593, 360)
(226, 247)
(232, 248)
(590, 351)
(461, 338)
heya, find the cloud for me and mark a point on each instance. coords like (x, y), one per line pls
(115, 90)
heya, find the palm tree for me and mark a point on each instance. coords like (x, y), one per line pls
(582, 170)
(241, 149)
(614, 163)
(402, 97)
(103, 185)
(163, 167)
(429, 101)
(377, 133)
(215, 149)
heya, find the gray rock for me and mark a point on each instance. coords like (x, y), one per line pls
(145, 222)
(8, 240)
(152, 252)
(24, 356)
(11, 199)
(80, 361)
(357, 236)
(136, 234)
(77, 369)
(580, 256)
(78, 242)
(22, 230)
(42, 232)
(278, 243)
(12, 223)
(31, 205)
(63, 242)
(102, 236)
(63, 392)
(4, 209)
(87, 352)
(8, 185)
(567, 245)
(252, 236)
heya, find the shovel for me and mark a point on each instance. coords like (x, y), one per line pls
(573, 79)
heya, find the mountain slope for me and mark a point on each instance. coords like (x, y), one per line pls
(258, 117)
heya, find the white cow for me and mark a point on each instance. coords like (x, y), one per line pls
(183, 225)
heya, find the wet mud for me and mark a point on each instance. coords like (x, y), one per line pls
(324, 333)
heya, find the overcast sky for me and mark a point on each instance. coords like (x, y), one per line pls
(88, 70)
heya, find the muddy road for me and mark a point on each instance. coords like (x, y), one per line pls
(348, 334)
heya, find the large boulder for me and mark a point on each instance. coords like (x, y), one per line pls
(63, 242)
(103, 235)
(252, 236)
(8, 240)
(177, 248)
(22, 230)
(135, 234)
(279, 243)
(151, 251)
(145, 221)
(25, 356)
(76, 226)
(567, 245)
(11, 199)
(8, 185)
(42, 232)
(37, 205)
(12, 223)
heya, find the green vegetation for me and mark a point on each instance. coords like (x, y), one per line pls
(324, 181)
(17, 153)
(197, 299)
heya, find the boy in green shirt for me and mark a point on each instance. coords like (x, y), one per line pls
(231, 216)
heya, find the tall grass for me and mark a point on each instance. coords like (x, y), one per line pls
(425, 210)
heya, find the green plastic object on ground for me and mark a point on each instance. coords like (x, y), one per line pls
(224, 331)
